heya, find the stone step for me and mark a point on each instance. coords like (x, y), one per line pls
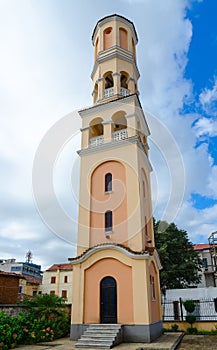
(103, 336)
(93, 345)
(98, 335)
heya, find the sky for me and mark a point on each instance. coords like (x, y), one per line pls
(46, 59)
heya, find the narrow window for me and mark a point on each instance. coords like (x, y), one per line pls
(64, 293)
(123, 38)
(107, 38)
(205, 264)
(65, 279)
(53, 279)
(152, 286)
(52, 292)
(108, 182)
(108, 221)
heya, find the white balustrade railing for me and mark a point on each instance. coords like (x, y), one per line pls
(124, 92)
(119, 135)
(96, 141)
(109, 92)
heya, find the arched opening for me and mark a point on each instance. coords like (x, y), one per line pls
(108, 182)
(96, 132)
(107, 36)
(123, 35)
(108, 300)
(124, 84)
(119, 126)
(108, 221)
(108, 85)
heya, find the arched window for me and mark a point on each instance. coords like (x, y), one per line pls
(108, 182)
(108, 221)
(107, 38)
(123, 38)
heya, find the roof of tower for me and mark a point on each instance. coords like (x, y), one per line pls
(117, 16)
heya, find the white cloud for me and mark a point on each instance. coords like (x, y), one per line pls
(206, 126)
(208, 99)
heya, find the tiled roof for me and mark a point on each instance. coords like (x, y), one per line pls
(201, 246)
(62, 267)
(11, 274)
(148, 250)
(33, 280)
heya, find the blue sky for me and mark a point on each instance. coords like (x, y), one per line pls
(46, 60)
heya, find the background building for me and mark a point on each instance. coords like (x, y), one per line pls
(57, 279)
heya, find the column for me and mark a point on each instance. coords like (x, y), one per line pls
(117, 83)
(107, 127)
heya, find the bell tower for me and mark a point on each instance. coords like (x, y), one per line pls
(115, 232)
(115, 72)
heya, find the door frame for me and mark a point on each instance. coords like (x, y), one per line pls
(102, 301)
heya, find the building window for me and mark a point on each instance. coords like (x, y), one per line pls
(108, 221)
(152, 287)
(205, 264)
(52, 292)
(39, 292)
(20, 289)
(64, 293)
(107, 38)
(65, 279)
(53, 279)
(123, 38)
(108, 182)
(34, 293)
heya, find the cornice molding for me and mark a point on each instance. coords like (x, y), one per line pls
(106, 246)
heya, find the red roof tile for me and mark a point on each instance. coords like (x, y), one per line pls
(62, 267)
(11, 274)
(201, 246)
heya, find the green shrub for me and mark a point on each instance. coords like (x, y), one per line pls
(189, 305)
(192, 330)
(190, 319)
(174, 327)
(41, 323)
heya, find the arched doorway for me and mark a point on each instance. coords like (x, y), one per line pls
(108, 300)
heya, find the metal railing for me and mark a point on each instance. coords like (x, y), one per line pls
(205, 310)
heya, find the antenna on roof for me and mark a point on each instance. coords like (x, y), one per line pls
(29, 256)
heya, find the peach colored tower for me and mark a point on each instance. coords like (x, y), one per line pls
(116, 271)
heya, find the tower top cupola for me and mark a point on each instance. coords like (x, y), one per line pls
(115, 73)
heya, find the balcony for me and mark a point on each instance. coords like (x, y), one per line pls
(96, 141)
(124, 92)
(109, 92)
(119, 135)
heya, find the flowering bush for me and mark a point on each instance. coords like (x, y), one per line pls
(40, 324)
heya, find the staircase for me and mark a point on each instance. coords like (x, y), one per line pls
(100, 336)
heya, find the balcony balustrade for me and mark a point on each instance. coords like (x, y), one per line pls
(96, 141)
(109, 92)
(119, 135)
(124, 92)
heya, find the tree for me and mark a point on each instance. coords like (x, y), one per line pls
(181, 263)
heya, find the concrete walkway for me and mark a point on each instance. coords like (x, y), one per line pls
(168, 341)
